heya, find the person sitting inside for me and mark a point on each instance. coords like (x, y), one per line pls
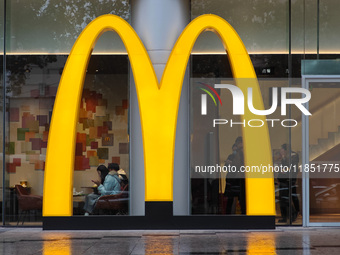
(123, 178)
(109, 184)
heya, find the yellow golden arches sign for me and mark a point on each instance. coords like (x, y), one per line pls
(158, 106)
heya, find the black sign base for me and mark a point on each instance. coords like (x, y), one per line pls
(158, 215)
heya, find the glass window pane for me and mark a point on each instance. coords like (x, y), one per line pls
(37, 52)
(53, 26)
(329, 27)
(262, 25)
(323, 151)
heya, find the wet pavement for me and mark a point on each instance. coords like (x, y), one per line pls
(283, 240)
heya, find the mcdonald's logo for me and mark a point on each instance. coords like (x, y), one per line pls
(158, 106)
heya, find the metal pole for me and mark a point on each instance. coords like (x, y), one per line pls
(4, 118)
(318, 29)
(290, 70)
(305, 160)
(154, 22)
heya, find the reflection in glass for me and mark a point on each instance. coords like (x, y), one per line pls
(254, 21)
(166, 245)
(57, 244)
(261, 243)
(53, 26)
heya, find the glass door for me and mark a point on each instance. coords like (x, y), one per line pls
(321, 152)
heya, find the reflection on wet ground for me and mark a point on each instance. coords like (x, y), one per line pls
(285, 240)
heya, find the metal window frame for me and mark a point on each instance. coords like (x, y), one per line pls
(3, 219)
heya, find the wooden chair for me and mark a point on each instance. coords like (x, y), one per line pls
(27, 202)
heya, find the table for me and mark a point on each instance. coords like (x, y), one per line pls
(78, 204)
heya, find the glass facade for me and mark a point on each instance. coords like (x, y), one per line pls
(39, 37)
(279, 35)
